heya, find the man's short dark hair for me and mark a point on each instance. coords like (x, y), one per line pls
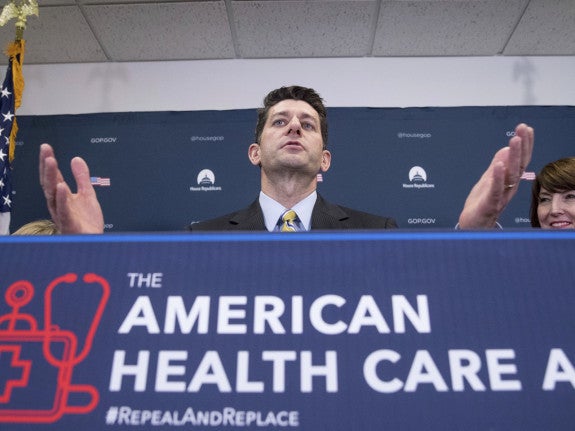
(293, 92)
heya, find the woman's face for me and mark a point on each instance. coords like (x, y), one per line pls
(556, 210)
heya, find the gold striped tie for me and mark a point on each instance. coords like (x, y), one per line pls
(289, 222)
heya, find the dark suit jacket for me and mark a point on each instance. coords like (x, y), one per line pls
(325, 215)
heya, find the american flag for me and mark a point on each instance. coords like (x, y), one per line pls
(7, 120)
(530, 176)
(99, 181)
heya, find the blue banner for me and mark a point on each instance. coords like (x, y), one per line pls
(318, 331)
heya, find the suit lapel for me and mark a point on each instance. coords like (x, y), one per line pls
(326, 215)
(250, 218)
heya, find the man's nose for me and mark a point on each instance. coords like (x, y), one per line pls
(294, 126)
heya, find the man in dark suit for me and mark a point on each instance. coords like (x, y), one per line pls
(291, 149)
(325, 215)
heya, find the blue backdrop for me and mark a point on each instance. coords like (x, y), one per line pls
(159, 171)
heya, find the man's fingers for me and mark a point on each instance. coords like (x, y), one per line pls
(499, 186)
(63, 194)
(44, 152)
(500, 158)
(50, 177)
(527, 136)
(81, 174)
(520, 151)
(504, 185)
(514, 157)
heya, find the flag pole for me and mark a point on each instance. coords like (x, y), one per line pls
(21, 10)
(10, 100)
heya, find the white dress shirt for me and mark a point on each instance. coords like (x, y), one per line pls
(273, 210)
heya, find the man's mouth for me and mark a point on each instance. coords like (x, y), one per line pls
(292, 144)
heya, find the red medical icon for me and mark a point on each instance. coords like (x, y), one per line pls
(41, 361)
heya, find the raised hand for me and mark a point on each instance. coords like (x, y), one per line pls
(499, 183)
(78, 212)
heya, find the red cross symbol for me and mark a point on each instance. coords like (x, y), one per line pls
(10, 362)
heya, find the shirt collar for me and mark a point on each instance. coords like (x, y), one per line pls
(273, 210)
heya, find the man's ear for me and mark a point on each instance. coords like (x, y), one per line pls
(254, 154)
(325, 160)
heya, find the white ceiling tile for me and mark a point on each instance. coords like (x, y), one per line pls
(303, 28)
(547, 28)
(59, 35)
(439, 28)
(162, 31)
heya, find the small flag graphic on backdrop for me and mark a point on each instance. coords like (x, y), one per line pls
(530, 176)
(99, 181)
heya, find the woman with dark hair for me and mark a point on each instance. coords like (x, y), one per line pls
(553, 196)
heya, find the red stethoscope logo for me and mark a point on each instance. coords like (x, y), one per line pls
(42, 360)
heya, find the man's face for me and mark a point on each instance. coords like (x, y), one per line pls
(291, 140)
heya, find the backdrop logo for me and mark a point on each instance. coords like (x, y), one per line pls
(207, 138)
(37, 364)
(413, 135)
(206, 180)
(104, 140)
(418, 179)
(417, 174)
(421, 220)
